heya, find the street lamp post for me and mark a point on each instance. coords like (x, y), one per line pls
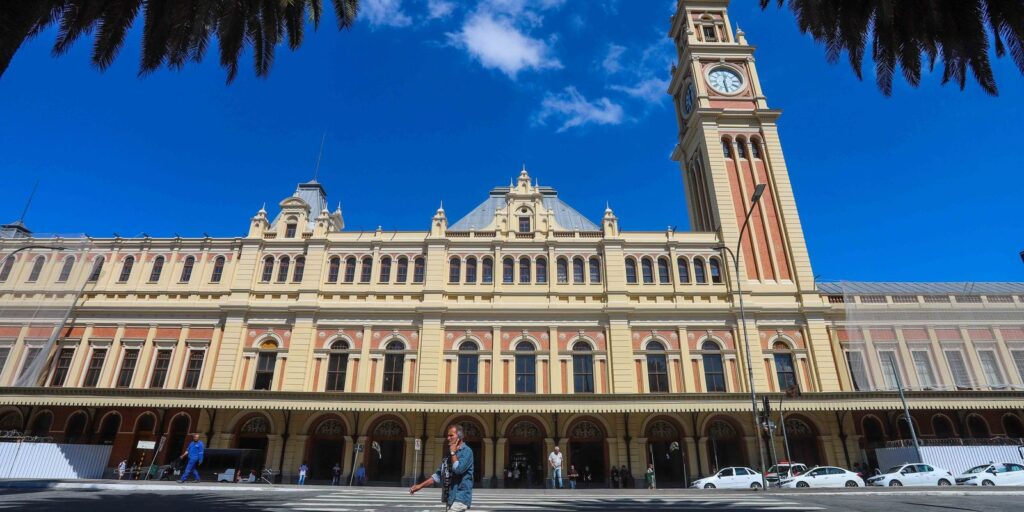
(758, 191)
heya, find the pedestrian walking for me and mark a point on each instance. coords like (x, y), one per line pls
(626, 477)
(573, 475)
(361, 475)
(336, 474)
(455, 475)
(303, 469)
(649, 477)
(555, 460)
(614, 481)
(194, 452)
(121, 468)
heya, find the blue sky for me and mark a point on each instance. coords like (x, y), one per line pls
(428, 100)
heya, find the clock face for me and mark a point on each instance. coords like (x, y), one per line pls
(725, 80)
(689, 100)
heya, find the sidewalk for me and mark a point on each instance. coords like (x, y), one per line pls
(156, 485)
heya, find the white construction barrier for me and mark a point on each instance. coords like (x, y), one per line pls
(956, 459)
(53, 461)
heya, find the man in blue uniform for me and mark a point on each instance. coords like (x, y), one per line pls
(195, 458)
(455, 474)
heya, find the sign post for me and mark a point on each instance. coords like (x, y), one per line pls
(416, 457)
(355, 456)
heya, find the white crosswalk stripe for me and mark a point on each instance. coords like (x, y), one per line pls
(488, 500)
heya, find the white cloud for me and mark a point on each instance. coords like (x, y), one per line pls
(498, 44)
(439, 9)
(611, 61)
(384, 13)
(651, 90)
(572, 110)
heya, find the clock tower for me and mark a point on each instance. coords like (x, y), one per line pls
(729, 143)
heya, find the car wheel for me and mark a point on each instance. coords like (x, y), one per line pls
(755, 485)
(894, 483)
(851, 483)
(988, 483)
(709, 486)
(944, 483)
(803, 484)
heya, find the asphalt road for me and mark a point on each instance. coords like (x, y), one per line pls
(191, 498)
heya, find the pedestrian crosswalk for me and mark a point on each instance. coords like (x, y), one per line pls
(491, 500)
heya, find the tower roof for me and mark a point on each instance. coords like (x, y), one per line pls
(566, 216)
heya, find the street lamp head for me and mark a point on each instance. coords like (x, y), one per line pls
(758, 190)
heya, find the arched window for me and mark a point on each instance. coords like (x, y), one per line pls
(268, 269)
(37, 268)
(454, 270)
(583, 367)
(333, 269)
(630, 271)
(716, 270)
(741, 148)
(684, 270)
(290, 229)
(563, 270)
(283, 265)
(657, 367)
(186, 269)
(595, 270)
(65, 271)
(648, 270)
(41, 424)
(1013, 427)
(663, 276)
(158, 268)
(417, 269)
(579, 272)
(385, 269)
(109, 427)
(364, 276)
(488, 271)
(784, 368)
(468, 361)
(337, 365)
(471, 270)
(350, 269)
(525, 275)
(755, 148)
(218, 269)
(726, 148)
(96, 269)
(714, 372)
(977, 426)
(942, 428)
(402, 275)
(126, 269)
(699, 272)
(542, 270)
(300, 269)
(266, 362)
(5, 272)
(394, 361)
(507, 270)
(526, 368)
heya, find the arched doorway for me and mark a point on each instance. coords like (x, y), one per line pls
(942, 428)
(978, 427)
(145, 427)
(109, 428)
(525, 453)
(325, 448)
(803, 442)
(176, 435)
(874, 437)
(252, 435)
(74, 429)
(587, 449)
(725, 446)
(665, 449)
(385, 454)
(1013, 427)
(41, 424)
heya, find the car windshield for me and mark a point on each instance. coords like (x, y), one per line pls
(780, 468)
(977, 469)
(894, 469)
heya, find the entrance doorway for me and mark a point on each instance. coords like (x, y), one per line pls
(587, 452)
(725, 448)
(665, 450)
(525, 454)
(253, 436)
(325, 448)
(385, 454)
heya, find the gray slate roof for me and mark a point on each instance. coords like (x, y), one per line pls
(896, 288)
(314, 195)
(566, 216)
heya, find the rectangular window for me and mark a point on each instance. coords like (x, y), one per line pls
(468, 364)
(714, 373)
(858, 372)
(583, 373)
(785, 371)
(887, 362)
(337, 365)
(709, 34)
(60, 373)
(194, 369)
(417, 271)
(524, 224)
(957, 366)
(367, 272)
(1018, 361)
(265, 364)
(526, 374)
(923, 367)
(160, 367)
(657, 373)
(393, 373)
(4, 353)
(131, 359)
(289, 231)
(31, 354)
(92, 375)
(990, 365)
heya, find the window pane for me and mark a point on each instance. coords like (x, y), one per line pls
(923, 367)
(542, 270)
(657, 373)
(583, 373)
(698, 271)
(595, 270)
(958, 368)
(1018, 361)
(578, 272)
(648, 271)
(124, 377)
(714, 373)
(194, 370)
(467, 373)
(268, 269)
(785, 371)
(417, 271)
(990, 365)
(4, 353)
(218, 270)
(60, 373)
(887, 363)
(859, 374)
(350, 270)
(300, 269)
(471, 270)
(92, 375)
(126, 269)
(65, 271)
(364, 277)
(563, 271)
(507, 268)
(524, 271)
(337, 365)
(265, 364)
(631, 271)
(37, 268)
(393, 372)
(526, 374)
(160, 367)
(385, 270)
(402, 275)
(684, 271)
(186, 270)
(488, 271)
(524, 224)
(454, 270)
(282, 269)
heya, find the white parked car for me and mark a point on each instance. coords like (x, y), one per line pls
(993, 473)
(784, 471)
(825, 476)
(730, 478)
(911, 475)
